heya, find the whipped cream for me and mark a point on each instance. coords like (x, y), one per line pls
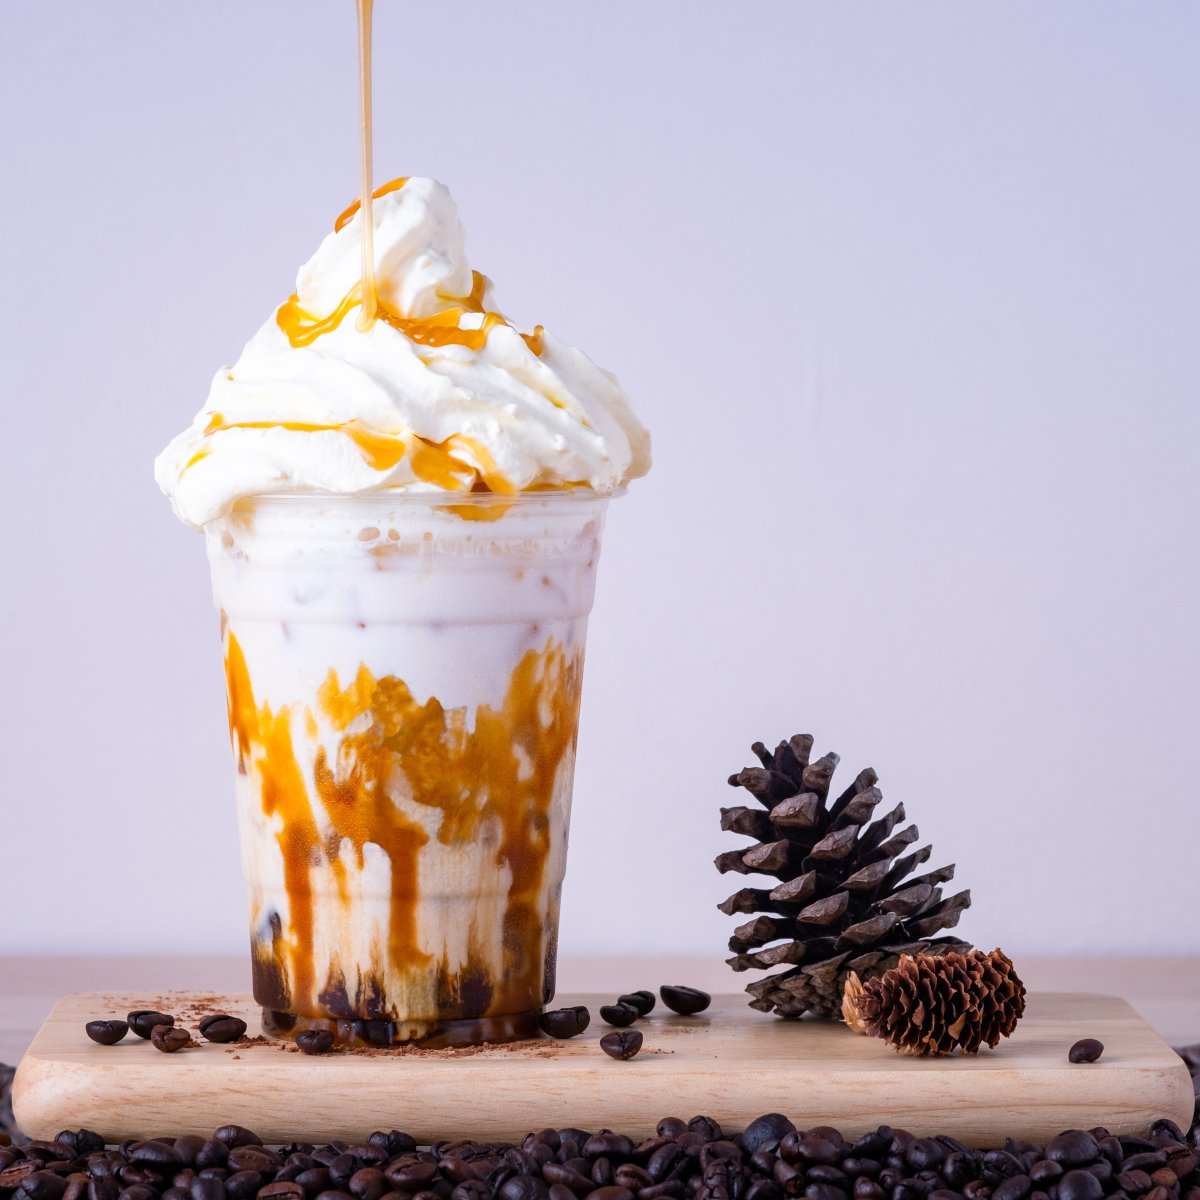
(441, 393)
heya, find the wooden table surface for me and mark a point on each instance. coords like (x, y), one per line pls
(1166, 991)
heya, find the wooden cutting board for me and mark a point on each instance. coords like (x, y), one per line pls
(731, 1063)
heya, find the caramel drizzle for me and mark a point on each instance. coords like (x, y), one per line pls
(504, 770)
(384, 189)
(447, 465)
(381, 451)
(301, 328)
(366, 315)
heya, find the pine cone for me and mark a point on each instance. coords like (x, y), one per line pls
(927, 1005)
(844, 901)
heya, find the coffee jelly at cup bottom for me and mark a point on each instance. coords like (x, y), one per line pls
(467, 1031)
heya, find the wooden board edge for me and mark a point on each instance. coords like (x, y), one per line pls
(1185, 1096)
(44, 1086)
(37, 1090)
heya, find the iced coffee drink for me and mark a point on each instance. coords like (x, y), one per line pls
(403, 523)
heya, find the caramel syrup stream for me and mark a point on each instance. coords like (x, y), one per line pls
(366, 314)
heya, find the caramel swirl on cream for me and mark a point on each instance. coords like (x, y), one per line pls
(440, 392)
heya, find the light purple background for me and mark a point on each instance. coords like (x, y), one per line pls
(909, 295)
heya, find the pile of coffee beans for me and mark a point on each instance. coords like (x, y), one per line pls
(686, 1160)
(694, 1160)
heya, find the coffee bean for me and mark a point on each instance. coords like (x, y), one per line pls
(622, 1044)
(1149, 1160)
(139, 1191)
(643, 1001)
(142, 1020)
(1080, 1185)
(221, 1027)
(706, 1127)
(315, 1041)
(314, 1180)
(42, 1185)
(1086, 1050)
(524, 1187)
(1015, 1187)
(253, 1158)
(1162, 1128)
(154, 1153)
(392, 1144)
(925, 1154)
(367, 1183)
(1073, 1148)
(670, 1189)
(633, 1177)
(608, 1145)
(169, 1038)
(13, 1175)
(619, 1015)
(280, 1190)
(106, 1033)
(565, 1022)
(410, 1173)
(1045, 1171)
(826, 1191)
(766, 1132)
(241, 1185)
(559, 1173)
(686, 1001)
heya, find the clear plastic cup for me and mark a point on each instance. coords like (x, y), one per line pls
(404, 675)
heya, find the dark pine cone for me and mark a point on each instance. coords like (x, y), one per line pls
(844, 901)
(939, 1005)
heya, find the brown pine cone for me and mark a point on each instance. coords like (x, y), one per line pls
(936, 1005)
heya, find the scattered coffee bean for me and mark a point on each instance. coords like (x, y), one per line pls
(565, 1022)
(142, 1020)
(622, 1044)
(1086, 1050)
(686, 1001)
(619, 1015)
(107, 1033)
(222, 1028)
(169, 1038)
(643, 1001)
(315, 1041)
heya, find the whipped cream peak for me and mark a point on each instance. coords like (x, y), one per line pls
(420, 254)
(441, 393)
